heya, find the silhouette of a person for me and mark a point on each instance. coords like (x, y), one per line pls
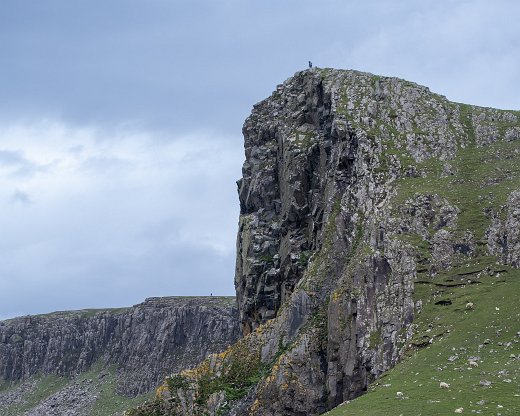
(310, 64)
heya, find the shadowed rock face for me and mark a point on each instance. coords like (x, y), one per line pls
(145, 342)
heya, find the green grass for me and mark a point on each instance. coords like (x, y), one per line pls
(82, 312)
(108, 401)
(4, 386)
(484, 178)
(489, 331)
(45, 387)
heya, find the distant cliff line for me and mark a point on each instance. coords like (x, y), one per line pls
(144, 342)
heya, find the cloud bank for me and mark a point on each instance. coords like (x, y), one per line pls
(93, 218)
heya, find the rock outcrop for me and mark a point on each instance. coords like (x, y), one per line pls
(504, 235)
(354, 187)
(144, 343)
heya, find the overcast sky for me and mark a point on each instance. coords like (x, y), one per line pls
(120, 125)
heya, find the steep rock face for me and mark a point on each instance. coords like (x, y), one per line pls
(145, 342)
(504, 235)
(313, 144)
(354, 188)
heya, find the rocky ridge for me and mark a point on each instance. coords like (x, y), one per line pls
(354, 187)
(138, 346)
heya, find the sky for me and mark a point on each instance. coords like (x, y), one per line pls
(120, 125)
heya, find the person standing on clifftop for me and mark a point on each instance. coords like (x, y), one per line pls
(310, 64)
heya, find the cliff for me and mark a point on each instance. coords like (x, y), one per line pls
(355, 188)
(140, 345)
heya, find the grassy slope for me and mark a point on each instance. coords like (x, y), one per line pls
(108, 402)
(44, 387)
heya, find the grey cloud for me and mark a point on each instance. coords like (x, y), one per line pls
(12, 158)
(76, 150)
(164, 64)
(111, 281)
(118, 231)
(17, 164)
(105, 164)
(176, 65)
(21, 197)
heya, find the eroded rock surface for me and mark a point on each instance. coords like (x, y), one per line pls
(504, 234)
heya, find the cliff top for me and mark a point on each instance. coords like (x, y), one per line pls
(359, 77)
(152, 302)
(214, 301)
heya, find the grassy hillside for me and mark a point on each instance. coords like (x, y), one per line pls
(92, 393)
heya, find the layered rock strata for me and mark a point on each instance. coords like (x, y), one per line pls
(144, 343)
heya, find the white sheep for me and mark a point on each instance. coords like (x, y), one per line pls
(399, 395)
(459, 410)
(473, 363)
(470, 305)
(444, 385)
